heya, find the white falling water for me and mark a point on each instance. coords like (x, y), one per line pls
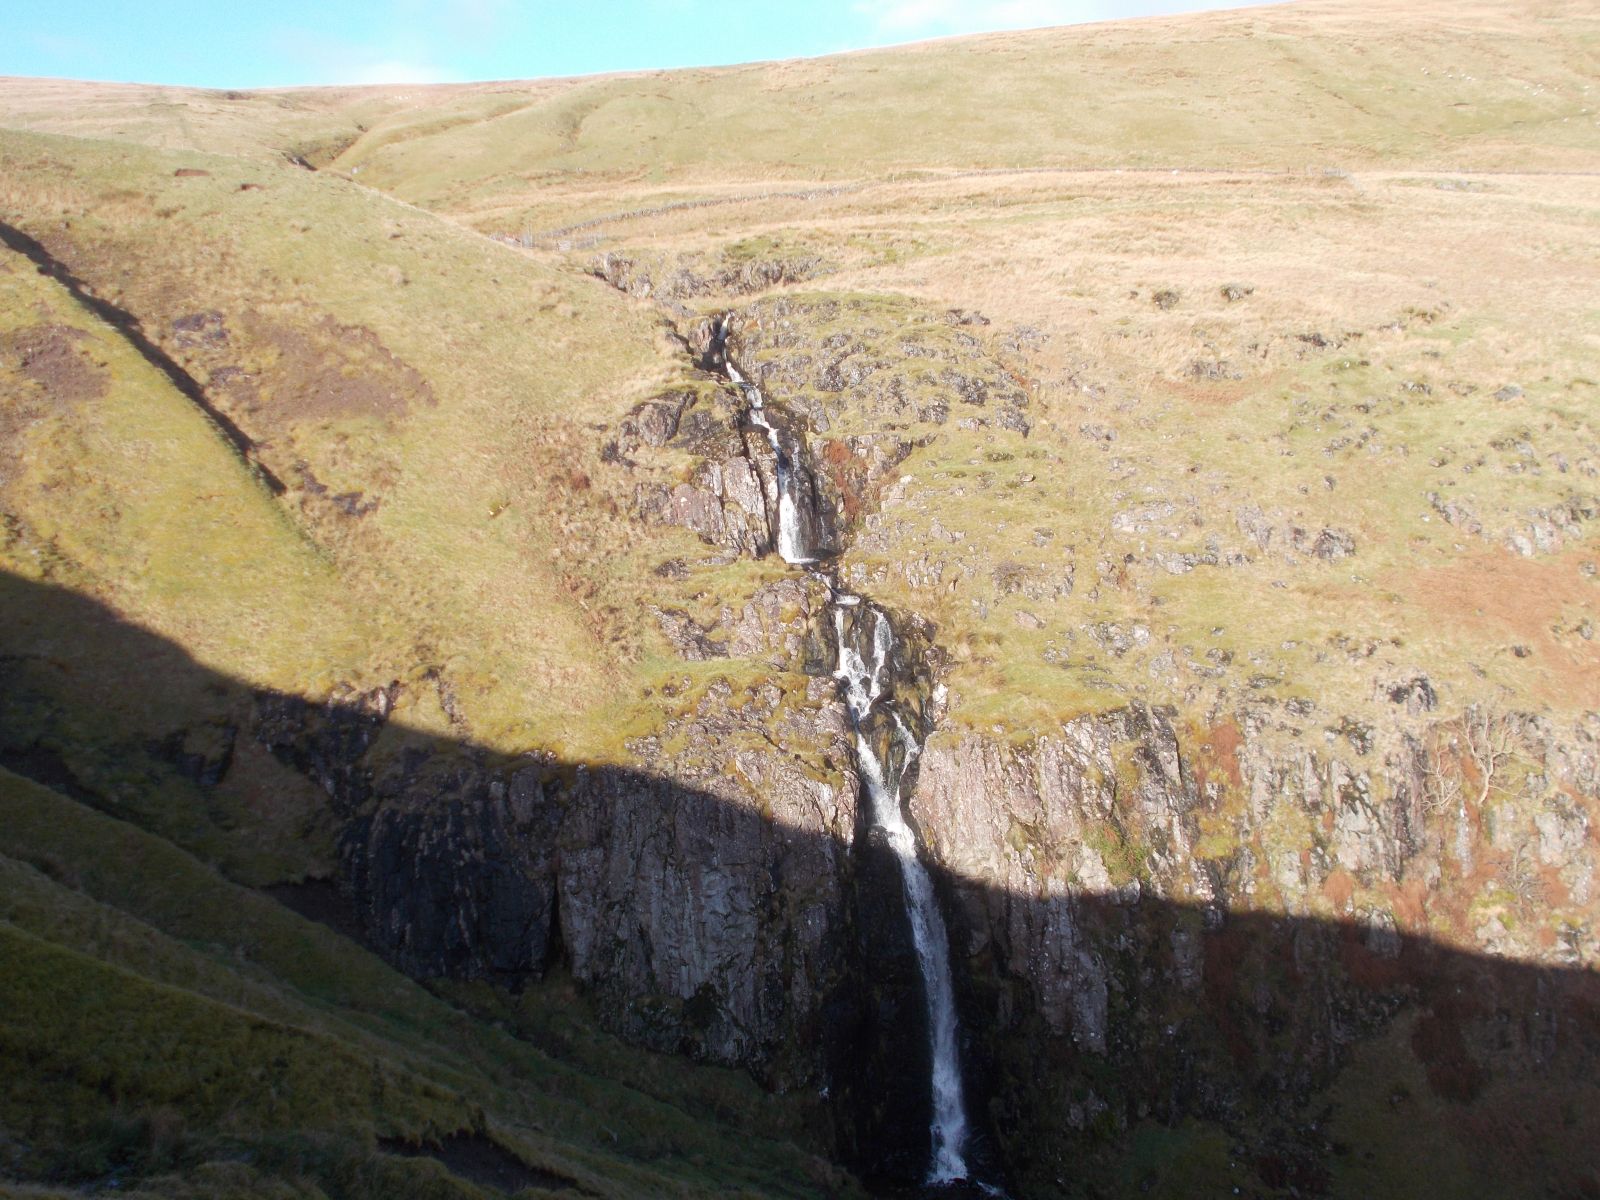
(863, 683)
(791, 546)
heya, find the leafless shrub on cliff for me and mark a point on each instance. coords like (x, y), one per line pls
(1486, 738)
(1442, 774)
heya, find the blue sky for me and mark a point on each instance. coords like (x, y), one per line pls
(253, 44)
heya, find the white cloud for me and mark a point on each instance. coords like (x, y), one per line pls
(323, 60)
(393, 70)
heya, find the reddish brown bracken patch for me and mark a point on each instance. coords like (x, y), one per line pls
(1217, 759)
(1513, 600)
(1338, 888)
(323, 369)
(848, 476)
(1409, 903)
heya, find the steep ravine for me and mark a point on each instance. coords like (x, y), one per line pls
(889, 702)
(1160, 916)
(1198, 942)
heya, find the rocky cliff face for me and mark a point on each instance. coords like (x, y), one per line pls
(1132, 903)
(1158, 914)
(707, 903)
(730, 497)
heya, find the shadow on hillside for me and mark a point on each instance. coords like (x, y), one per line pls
(706, 928)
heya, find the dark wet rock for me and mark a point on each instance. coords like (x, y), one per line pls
(887, 1081)
(464, 886)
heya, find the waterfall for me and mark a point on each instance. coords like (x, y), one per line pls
(791, 543)
(863, 682)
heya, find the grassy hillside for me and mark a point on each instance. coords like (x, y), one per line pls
(426, 397)
(1306, 420)
(1314, 84)
(171, 1033)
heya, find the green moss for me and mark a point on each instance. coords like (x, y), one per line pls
(1191, 1159)
(1125, 860)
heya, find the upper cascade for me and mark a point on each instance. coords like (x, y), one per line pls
(792, 542)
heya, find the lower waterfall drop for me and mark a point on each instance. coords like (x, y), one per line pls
(863, 686)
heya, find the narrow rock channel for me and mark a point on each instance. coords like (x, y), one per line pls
(889, 733)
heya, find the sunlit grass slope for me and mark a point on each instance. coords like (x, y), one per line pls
(427, 397)
(1321, 83)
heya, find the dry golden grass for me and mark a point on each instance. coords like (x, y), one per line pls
(1383, 312)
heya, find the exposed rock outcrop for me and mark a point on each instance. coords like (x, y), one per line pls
(1105, 876)
(688, 276)
(731, 495)
(708, 911)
